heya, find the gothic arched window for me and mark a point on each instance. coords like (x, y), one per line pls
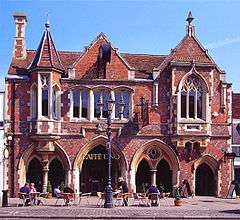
(192, 98)
(34, 101)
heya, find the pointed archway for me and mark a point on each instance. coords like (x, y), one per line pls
(205, 181)
(56, 173)
(143, 176)
(206, 176)
(164, 175)
(94, 173)
(34, 173)
(154, 151)
(78, 164)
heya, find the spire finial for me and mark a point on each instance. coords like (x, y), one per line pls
(189, 18)
(190, 28)
(47, 24)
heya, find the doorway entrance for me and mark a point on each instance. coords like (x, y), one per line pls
(94, 173)
(205, 184)
(143, 177)
(164, 176)
(56, 174)
(34, 173)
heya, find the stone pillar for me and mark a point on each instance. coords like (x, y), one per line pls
(91, 105)
(153, 177)
(45, 163)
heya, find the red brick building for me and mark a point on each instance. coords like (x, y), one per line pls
(176, 123)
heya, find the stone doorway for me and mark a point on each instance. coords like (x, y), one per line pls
(34, 173)
(143, 176)
(205, 181)
(164, 176)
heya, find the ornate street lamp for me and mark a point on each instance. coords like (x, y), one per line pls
(109, 197)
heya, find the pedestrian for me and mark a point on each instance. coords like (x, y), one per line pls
(124, 189)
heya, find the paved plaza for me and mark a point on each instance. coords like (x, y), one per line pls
(197, 207)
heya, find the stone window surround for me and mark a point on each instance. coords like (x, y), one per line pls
(205, 103)
(49, 83)
(91, 90)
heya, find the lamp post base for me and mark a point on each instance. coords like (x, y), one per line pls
(109, 198)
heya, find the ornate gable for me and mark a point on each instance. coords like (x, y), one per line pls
(88, 66)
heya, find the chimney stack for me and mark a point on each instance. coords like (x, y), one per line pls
(19, 48)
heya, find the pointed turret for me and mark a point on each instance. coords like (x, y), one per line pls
(190, 27)
(46, 55)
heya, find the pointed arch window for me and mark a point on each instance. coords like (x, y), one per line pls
(193, 98)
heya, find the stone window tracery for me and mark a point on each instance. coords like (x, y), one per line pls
(192, 98)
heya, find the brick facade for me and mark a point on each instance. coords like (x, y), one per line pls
(153, 131)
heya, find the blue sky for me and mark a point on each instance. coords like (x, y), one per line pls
(136, 26)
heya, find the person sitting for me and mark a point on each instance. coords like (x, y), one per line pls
(57, 192)
(26, 190)
(31, 192)
(124, 189)
(153, 189)
(69, 197)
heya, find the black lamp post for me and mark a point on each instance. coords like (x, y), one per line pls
(109, 197)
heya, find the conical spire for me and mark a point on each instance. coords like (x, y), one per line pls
(190, 28)
(46, 55)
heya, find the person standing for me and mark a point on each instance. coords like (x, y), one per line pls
(124, 189)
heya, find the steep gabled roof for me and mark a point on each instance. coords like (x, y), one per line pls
(101, 35)
(46, 55)
(188, 50)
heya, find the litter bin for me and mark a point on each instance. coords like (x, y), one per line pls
(5, 198)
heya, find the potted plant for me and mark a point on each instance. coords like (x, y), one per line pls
(62, 186)
(178, 200)
(49, 190)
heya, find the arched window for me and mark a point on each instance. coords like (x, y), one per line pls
(192, 98)
(34, 101)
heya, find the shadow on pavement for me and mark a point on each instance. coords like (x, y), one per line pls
(234, 211)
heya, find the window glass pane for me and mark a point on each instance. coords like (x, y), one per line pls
(54, 102)
(106, 97)
(96, 108)
(34, 102)
(117, 100)
(183, 104)
(199, 104)
(126, 97)
(84, 104)
(191, 103)
(76, 103)
(45, 101)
